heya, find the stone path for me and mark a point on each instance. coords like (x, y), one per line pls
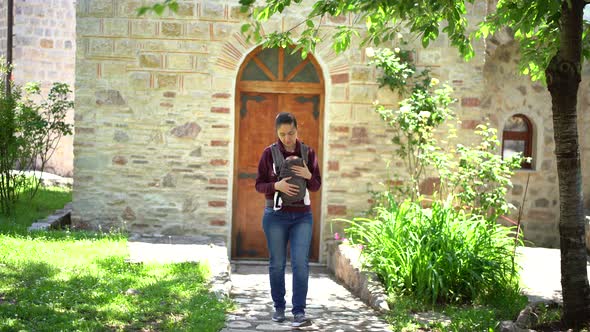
(541, 273)
(331, 307)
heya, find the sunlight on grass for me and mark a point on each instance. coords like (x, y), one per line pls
(78, 281)
(26, 212)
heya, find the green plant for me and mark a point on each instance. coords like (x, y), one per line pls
(437, 254)
(158, 8)
(475, 175)
(30, 131)
(479, 177)
(62, 281)
(405, 311)
(8, 142)
(419, 115)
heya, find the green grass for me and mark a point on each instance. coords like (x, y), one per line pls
(66, 281)
(61, 281)
(470, 318)
(26, 211)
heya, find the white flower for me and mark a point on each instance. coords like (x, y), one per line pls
(369, 52)
(434, 81)
(396, 50)
(424, 114)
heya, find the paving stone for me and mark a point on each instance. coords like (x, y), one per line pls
(330, 306)
(273, 327)
(239, 324)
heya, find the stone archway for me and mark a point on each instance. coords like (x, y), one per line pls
(270, 81)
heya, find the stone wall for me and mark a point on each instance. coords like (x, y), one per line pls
(44, 51)
(509, 93)
(3, 22)
(155, 116)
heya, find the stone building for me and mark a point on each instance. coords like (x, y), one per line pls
(173, 112)
(44, 39)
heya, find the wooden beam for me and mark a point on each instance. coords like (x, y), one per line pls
(281, 87)
(265, 69)
(281, 63)
(297, 69)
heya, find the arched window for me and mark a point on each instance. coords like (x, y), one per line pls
(518, 137)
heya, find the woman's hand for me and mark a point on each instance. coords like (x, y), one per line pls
(286, 187)
(302, 171)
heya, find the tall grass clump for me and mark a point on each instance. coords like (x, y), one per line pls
(438, 254)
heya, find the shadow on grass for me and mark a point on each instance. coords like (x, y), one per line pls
(113, 295)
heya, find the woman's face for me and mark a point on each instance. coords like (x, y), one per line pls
(288, 135)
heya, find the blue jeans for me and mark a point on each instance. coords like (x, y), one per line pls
(295, 228)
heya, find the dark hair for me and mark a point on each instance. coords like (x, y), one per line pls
(285, 118)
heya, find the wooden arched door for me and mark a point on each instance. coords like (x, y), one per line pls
(270, 81)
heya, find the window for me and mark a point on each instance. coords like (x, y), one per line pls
(518, 137)
(278, 64)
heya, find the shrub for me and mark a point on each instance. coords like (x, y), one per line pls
(475, 175)
(30, 130)
(439, 254)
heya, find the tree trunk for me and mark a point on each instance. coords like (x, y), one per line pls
(563, 79)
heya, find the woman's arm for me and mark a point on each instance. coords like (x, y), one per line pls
(315, 182)
(264, 184)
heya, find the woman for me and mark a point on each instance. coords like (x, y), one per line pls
(284, 223)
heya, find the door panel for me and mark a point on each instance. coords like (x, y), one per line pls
(255, 132)
(256, 129)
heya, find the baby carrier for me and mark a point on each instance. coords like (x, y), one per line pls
(282, 169)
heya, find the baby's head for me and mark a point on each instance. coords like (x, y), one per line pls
(289, 162)
(293, 160)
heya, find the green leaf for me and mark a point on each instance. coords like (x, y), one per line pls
(159, 9)
(245, 27)
(173, 6)
(142, 10)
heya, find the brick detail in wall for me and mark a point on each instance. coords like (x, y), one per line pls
(470, 102)
(337, 210)
(469, 124)
(217, 222)
(340, 129)
(120, 160)
(218, 162)
(217, 203)
(338, 146)
(231, 52)
(333, 166)
(219, 143)
(340, 78)
(218, 181)
(219, 110)
(46, 43)
(359, 135)
(222, 95)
